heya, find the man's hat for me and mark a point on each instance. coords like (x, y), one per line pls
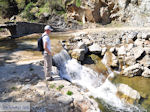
(47, 27)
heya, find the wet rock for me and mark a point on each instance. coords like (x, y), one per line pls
(78, 54)
(128, 94)
(81, 45)
(146, 72)
(133, 70)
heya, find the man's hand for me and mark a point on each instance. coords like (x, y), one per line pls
(46, 49)
(49, 53)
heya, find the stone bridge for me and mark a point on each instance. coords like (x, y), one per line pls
(18, 29)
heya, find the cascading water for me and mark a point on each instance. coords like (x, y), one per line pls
(71, 70)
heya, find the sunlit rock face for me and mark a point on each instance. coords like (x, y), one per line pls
(104, 12)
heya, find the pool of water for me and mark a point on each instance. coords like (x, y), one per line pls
(138, 83)
(25, 48)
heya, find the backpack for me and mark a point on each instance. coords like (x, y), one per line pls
(40, 44)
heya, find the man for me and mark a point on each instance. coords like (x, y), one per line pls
(47, 53)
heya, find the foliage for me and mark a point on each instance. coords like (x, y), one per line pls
(78, 3)
(27, 14)
(8, 8)
(52, 86)
(14, 88)
(21, 4)
(60, 87)
(43, 9)
(69, 93)
(1, 29)
(57, 6)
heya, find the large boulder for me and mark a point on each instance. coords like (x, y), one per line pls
(78, 54)
(146, 72)
(128, 94)
(134, 70)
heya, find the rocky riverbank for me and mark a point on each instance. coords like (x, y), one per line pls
(125, 50)
(25, 83)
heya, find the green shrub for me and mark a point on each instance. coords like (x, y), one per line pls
(52, 86)
(27, 14)
(60, 87)
(78, 3)
(14, 88)
(69, 93)
(43, 9)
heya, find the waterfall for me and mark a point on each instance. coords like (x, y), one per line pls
(71, 70)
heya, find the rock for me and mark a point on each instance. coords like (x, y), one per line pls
(147, 37)
(66, 100)
(139, 52)
(139, 35)
(105, 15)
(34, 10)
(130, 60)
(87, 42)
(122, 51)
(113, 50)
(104, 49)
(41, 88)
(128, 94)
(146, 72)
(145, 61)
(13, 18)
(78, 54)
(147, 50)
(84, 105)
(138, 42)
(133, 35)
(130, 46)
(81, 45)
(115, 62)
(95, 48)
(122, 3)
(28, 86)
(133, 70)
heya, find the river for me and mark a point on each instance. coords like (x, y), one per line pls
(24, 49)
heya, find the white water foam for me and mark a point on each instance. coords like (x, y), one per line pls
(87, 78)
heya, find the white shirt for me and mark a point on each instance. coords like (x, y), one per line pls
(46, 39)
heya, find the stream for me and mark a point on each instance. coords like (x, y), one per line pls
(97, 84)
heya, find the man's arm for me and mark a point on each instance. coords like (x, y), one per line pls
(46, 49)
